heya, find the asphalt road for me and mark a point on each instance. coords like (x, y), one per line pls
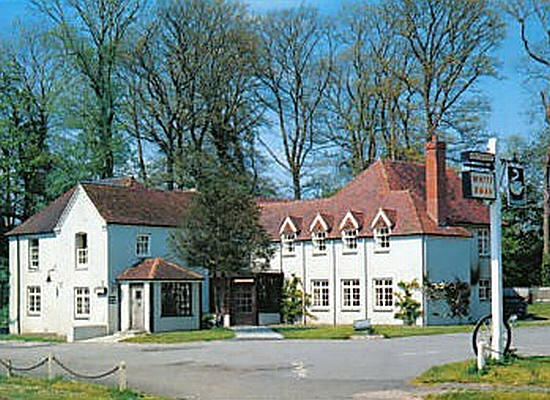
(362, 369)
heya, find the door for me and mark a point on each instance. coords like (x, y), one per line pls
(137, 309)
(243, 304)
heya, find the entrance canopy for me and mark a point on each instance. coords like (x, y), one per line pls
(158, 269)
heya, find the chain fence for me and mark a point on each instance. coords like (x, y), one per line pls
(50, 360)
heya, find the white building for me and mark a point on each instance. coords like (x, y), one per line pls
(396, 221)
(88, 264)
(95, 260)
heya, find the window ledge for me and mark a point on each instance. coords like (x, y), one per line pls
(351, 251)
(33, 315)
(382, 251)
(383, 309)
(81, 268)
(351, 309)
(33, 270)
(319, 253)
(289, 254)
(322, 309)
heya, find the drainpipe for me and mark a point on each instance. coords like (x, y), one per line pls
(367, 292)
(304, 276)
(334, 279)
(424, 274)
(18, 287)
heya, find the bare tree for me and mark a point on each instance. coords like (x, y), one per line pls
(195, 62)
(451, 41)
(534, 15)
(294, 70)
(91, 33)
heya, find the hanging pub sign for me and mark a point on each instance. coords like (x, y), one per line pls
(516, 185)
(478, 185)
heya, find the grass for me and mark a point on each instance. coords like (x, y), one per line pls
(183, 336)
(392, 331)
(315, 331)
(488, 395)
(518, 372)
(60, 389)
(33, 338)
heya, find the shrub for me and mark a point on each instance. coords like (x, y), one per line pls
(409, 308)
(294, 301)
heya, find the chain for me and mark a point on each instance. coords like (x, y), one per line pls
(82, 376)
(25, 369)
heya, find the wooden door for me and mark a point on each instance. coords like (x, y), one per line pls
(243, 304)
(137, 309)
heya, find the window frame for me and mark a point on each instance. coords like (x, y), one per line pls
(352, 285)
(381, 283)
(288, 244)
(86, 253)
(382, 242)
(483, 242)
(85, 295)
(484, 291)
(318, 287)
(138, 243)
(32, 297)
(349, 237)
(175, 303)
(319, 242)
(34, 254)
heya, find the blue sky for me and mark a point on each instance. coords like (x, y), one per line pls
(510, 97)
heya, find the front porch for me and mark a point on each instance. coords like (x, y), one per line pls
(159, 296)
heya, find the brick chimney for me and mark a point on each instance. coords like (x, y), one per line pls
(436, 181)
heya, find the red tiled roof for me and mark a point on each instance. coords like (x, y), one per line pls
(392, 185)
(45, 220)
(118, 201)
(158, 269)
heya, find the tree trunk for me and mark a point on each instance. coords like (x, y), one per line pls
(296, 184)
(141, 161)
(546, 208)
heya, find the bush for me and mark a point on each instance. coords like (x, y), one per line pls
(409, 308)
(294, 301)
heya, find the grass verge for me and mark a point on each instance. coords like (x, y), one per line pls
(60, 389)
(488, 395)
(516, 372)
(315, 331)
(183, 336)
(32, 338)
(392, 331)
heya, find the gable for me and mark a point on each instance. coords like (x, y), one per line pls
(80, 208)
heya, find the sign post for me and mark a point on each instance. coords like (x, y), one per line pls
(496, 259)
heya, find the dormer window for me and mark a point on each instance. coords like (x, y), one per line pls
(382, 238)
(287, 239)
(349, 238)
(81, 245)
(319, 242)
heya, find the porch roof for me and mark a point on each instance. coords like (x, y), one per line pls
(158, 269)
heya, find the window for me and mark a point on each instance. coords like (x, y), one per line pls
(382, 238)
(81, 245)
(383, 294)
(351, 293)
(143, 245)
(484, 289)
(33, 254)
(319, 242)
(483, 242)
(82, 302)
(176, 299)
(288, 243)
(349, 237)
(34, 300)
(320, 294)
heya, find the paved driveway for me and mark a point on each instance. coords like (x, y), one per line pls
(273, 369)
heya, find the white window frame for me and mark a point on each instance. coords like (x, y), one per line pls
(483, 242)
(351, 294)
(484, 289)
(380, 289)
(34, 301)
(82, 309)
(81, 253)
(382, 239)
(140, 242)
(288, 242)
(319, 241)
(34, 254)
(320, 294)
(349, 240)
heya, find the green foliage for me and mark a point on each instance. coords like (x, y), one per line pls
(294, 301)
(221, 229)
(545, 273)
(409, 308)
(456, 294)
(183, 336)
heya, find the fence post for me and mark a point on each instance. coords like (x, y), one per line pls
(50, 366)
(8, 369)
(122, 376)
(481, 355)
